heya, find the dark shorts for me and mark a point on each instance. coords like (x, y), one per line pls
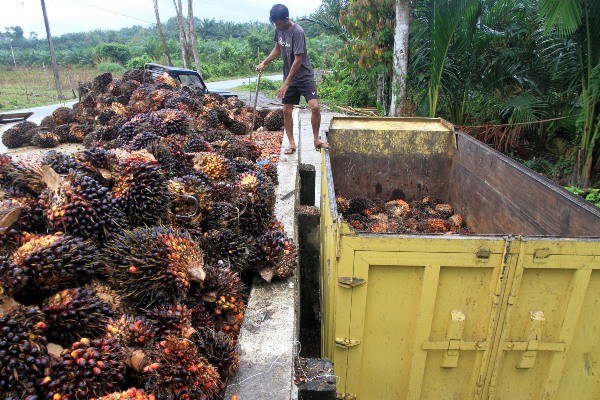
(308, 89)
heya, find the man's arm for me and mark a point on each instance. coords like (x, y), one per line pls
(293, 70)
(274, 54)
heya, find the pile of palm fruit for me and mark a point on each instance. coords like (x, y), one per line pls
(124, 268)
(427, 215)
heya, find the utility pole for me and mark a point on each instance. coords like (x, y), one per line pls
(52, 56)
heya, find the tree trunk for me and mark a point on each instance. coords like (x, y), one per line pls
(162, 35)
(192, 38)
(182, 39)
(52, 56)
(400, 71)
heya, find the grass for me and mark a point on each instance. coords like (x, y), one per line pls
(24, 87)
(266, 87)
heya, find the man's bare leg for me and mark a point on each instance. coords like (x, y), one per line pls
(288, 124)
(315, 121)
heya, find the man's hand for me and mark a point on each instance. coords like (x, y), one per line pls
(282, 90)
(260, 67)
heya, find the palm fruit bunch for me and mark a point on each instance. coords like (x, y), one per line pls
(166, 79)
(274, 121)
(122, 89)
(191, 201)
(10, 239)
(12, 278)
(240, 147)
(142, 140)
(89, 369)
(53, 262)
(18, 135)
(173, 121)
(184, 102)
(397, 208)
(359, 204)
(219, 349)
(171, 320)
(75, 313)
(129, 394)
(229, 247)
(224, 294)
(222, 215)
(48, 122)
(83, 207)
(269, 261)
(434, 225)
(45, 139)
(131, 331)
(101, 82)
(256, 202)
(153, 265)
(63, 115)
(141, 191)
(195, 143)
(259, 119)
(23, 352)
(146, 122)
(177, 371)
(215, 166)
(27, 211)
(170, 155)
(27, 173)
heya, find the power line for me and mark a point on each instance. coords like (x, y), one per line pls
(112, 12)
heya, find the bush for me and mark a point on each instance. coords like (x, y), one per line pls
(113, 68)
(138, 62)
(119, 53)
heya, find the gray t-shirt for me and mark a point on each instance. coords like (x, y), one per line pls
(292, 42)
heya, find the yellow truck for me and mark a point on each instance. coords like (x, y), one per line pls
(508, 313)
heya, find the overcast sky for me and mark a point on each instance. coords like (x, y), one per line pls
(66, 16)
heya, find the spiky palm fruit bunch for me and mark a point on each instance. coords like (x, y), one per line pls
(171, 320)
(108, 295)
(274, 121)
(225, 294)
(257, 203)
(48, 122)
(142, 140)
(131, 330)
(82, 207)
(129, 394)
(76, 134)
(201, 317)
(176, 371)
(216, 167)
(63, 115)
(75, 313)
(53, 262)
(222, 215)
(359, 204)
(60, 162)
(195, 143)
(191, 201)
(209, 118)
(442, 210)
(456, 221)
(12, 278)
(231, 248)
(142, 192)
(219, 349)
(134, 74)
(270, 250)
(397, 208)
(154, 265)
(89, 369)
(173, 121)
(434, 225)
(10, 239)
(342, 204)
(5, 164)
(224, 191)
(105, 116)
(18, 135)
(122, 89)
(119, 109)
(185, 103)
(241, 165)
(45, 139)
(238, 125)
(269, 169)
(62, 131)
(147, 122)
(23, 352)
(100, 82)
(240, 147)
(167, 80)
(169, 153)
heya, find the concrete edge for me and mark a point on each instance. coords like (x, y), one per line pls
(268, 337)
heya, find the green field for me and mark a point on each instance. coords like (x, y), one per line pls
(25, 87)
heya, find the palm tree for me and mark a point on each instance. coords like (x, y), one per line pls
(400, 68)
(579, 20)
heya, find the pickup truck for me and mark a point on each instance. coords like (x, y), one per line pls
(186, 77)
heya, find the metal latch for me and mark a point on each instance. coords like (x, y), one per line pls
(349, 282)
(483, 254)
(345, 396)
(346, 342)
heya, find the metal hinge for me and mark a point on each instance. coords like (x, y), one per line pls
(345, 396)
(350, 281)
(346, 343)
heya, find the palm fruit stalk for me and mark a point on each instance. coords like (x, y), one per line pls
(75, 313)
(23, 352)
(153, 265)
(89, 369)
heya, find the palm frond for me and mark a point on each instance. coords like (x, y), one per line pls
(564, 15)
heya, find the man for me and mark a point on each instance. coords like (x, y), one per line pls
(298, 76)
